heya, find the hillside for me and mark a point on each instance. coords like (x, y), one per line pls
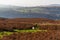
(7, 27)
(50, 12)
(27, 23)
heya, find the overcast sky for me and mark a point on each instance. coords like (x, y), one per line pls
(29, 2)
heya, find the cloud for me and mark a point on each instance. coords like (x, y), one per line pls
(29, 2)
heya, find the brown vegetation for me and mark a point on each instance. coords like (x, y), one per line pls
(50, 35)
(24, 23)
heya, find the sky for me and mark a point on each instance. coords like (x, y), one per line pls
(29, 2)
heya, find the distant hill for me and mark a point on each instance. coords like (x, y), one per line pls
(1, 18)
(8, 11)
(55, 5)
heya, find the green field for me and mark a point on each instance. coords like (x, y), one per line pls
(21, 31)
